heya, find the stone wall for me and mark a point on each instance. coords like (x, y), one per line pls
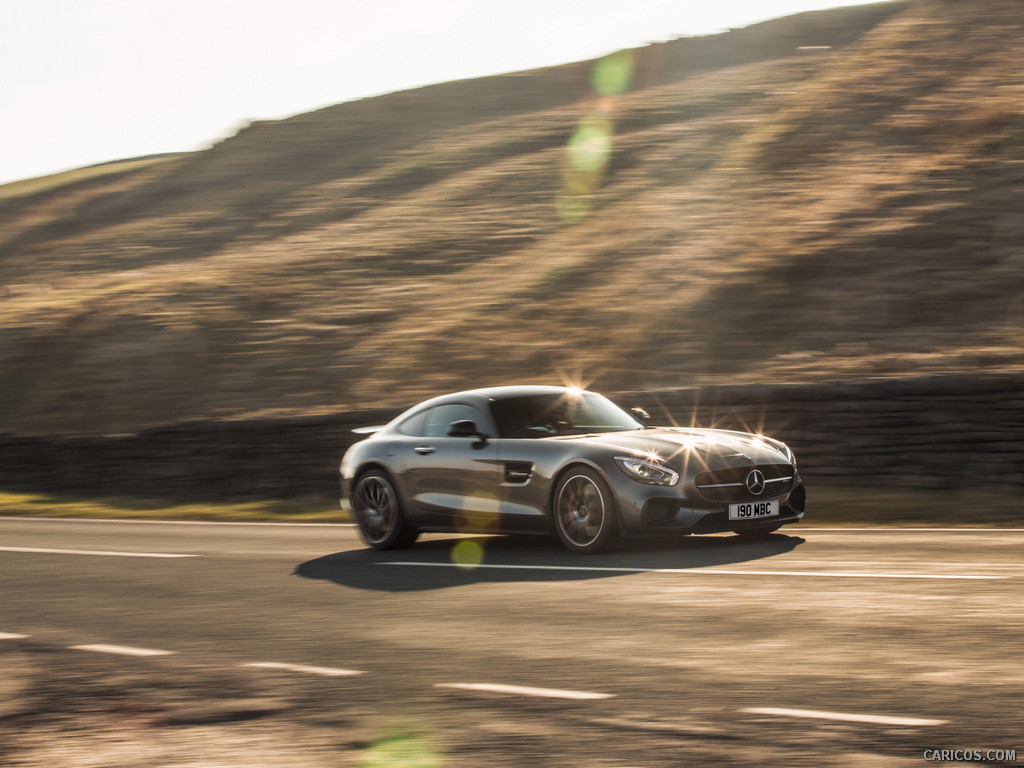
(936, 433)
(939, 433)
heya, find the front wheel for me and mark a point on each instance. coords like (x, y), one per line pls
(378, 513)
(584, 511)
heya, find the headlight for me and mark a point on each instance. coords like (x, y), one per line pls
(647, 471)
(782, 448)
(789, 455)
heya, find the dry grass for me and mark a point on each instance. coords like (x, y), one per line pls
(842, 507)
(837, 507)
(50, 505)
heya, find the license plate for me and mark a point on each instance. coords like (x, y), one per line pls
(753, 509)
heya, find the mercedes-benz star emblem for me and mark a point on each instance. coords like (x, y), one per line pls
(755, 482)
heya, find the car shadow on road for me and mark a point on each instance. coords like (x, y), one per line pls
(431, 564)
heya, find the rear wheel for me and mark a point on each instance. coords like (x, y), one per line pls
(378, 512)
(584, 511)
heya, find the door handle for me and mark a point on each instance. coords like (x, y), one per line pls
(424, 450)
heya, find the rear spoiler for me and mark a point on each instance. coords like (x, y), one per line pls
(369, 430)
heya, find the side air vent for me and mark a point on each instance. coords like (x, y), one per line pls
(518, 472)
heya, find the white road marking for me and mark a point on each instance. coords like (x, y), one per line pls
(121, 650)
(702, 571)
(884, 563)
(326, 671)
(812, 714)
(550, 693)
(98, 553)
(138, 521)
(11, 636)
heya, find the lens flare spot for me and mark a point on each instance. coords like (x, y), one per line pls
(591, 145)
(572, 208)
(400, 750)
(613, 74)
(483, 518)
(468, 554)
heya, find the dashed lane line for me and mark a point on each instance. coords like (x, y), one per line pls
(846, 717)
(518, 690)
(325, 671)
(96, 552)
(549, 693)
(121, 650)
(698, 571)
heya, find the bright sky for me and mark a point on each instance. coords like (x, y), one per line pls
(86, 81)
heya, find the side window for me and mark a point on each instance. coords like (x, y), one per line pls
(439, 417)
(414, 424)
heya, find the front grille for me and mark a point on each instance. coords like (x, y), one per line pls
(730, 484)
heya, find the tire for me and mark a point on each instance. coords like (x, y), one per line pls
(378, 512)
(584, 512)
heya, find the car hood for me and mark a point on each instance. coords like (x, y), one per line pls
(679, 447)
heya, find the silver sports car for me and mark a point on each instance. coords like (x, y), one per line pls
(530, 458)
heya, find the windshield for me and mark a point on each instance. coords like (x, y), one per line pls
(534, 416)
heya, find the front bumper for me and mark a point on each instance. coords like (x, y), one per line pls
(682, 515)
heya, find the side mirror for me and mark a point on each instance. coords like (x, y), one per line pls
(465, 428)
(640, 415)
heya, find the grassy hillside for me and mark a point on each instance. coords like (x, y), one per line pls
(741, 208)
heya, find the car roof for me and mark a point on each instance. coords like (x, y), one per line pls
(485, 393)
(521, 390)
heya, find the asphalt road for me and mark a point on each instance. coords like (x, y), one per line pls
(817, 647)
